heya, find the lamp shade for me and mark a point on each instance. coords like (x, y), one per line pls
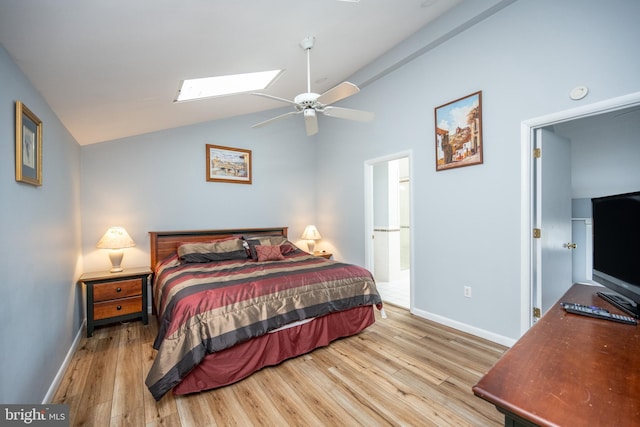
(311, 233)
(115, 238)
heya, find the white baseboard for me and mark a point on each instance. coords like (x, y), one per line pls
(421, 313)
(499, 339)
(65, 364)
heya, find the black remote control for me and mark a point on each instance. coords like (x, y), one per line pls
(597, 312)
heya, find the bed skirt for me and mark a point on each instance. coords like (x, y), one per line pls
(233, 364)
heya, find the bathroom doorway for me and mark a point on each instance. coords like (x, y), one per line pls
(389, 227)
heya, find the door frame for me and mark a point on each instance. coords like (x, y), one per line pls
(368, 213)
(527, 138)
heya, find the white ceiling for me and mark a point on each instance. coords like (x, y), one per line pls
(111, 68)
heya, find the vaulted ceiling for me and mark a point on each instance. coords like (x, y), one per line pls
(111, 69)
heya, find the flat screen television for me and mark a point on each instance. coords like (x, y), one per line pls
(616, 249)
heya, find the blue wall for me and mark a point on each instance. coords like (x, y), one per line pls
(467, 222)
(157, 182)
(41, 306)
(525, 58)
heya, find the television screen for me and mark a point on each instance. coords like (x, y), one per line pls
(616, 246)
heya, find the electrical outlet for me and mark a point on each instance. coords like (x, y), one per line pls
(467, 291)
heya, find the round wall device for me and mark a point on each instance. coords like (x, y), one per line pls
(578, 92)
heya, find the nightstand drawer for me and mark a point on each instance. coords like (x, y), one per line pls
(116, 297)
(120, 289)
(120, 307)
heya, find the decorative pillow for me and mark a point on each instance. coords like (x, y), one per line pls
(252, 241)
(287, 247)
(219, 250)
(251, 251)
(281, 241)
(277, 240)
(269, 253)
(266, 240)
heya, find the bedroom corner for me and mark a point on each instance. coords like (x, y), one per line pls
(40, 310)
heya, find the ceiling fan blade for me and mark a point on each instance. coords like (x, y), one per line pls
(288, 101)
(275, 119)
(335, 94)
(348, 113)
(311, 121)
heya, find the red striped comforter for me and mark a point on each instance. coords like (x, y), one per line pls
(203, 308)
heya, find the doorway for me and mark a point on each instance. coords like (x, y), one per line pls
(388, 226)
(533, 286)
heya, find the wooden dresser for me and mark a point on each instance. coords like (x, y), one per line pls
(569, 370)
(116, 297)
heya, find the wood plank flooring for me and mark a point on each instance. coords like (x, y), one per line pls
(401, 371)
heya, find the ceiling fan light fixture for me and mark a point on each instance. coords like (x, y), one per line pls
(310, 121)
(209, 87)
(309, 103)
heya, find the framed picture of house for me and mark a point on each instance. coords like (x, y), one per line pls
(459, 132)
(28, 146)
(226, 164)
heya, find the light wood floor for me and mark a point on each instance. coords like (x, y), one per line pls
(403, 370)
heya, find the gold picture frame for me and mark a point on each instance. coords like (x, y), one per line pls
(226, 164)
(459, 132)
(28, 146)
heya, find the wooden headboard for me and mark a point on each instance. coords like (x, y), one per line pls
(165, 243)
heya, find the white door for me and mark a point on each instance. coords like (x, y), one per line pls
(552, 205)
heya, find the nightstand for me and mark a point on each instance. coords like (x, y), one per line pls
(323, 254)
(116, 297)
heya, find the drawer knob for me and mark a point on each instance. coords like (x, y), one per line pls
(118, 289)
(119, 307)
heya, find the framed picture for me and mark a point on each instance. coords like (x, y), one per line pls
(226, 164)
(28, 146)
(459, 132)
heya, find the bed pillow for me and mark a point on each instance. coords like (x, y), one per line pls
(280, 241)
(219, 250)
(277, 240)
(253, 241)
(266, 240)
(268, 253)
(287, 247)
(250, 248)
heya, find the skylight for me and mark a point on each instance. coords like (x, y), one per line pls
(208, 87)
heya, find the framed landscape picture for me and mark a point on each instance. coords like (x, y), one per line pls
(226, 164)
(28, 146)
(459, 132)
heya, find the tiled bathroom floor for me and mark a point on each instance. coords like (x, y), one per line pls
(396, 292)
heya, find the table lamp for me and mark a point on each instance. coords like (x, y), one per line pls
(116, 239)
(311, 234)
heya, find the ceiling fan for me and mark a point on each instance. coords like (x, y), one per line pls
(309, 104)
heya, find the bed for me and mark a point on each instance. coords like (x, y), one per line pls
(231, 302)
